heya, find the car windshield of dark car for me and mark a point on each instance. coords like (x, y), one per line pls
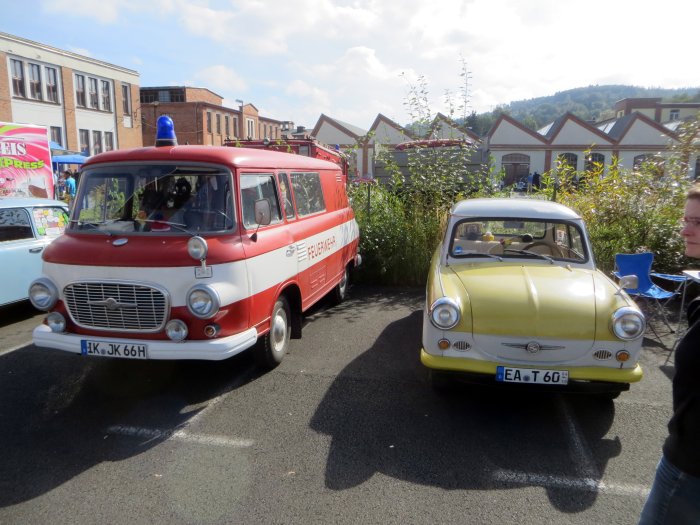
(484, 237)
(153, 199)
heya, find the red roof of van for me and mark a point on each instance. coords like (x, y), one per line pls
(238, 157)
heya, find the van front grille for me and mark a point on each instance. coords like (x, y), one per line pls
(117, 306)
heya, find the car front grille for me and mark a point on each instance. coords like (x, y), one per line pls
(117, 306)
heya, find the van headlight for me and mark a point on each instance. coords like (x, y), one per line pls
(445, 313)
(197, 248)
(628, 323)
(43, 294)
(203, 301)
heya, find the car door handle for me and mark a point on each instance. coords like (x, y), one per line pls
(36, 250)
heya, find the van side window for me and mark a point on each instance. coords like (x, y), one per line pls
(286, 192)
(255, 187)
(308, 193)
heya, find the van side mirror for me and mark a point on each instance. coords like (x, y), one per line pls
(262, 212)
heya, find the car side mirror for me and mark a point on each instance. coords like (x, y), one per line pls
(262, 212)
(629, 281)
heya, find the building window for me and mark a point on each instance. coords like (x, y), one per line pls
(18, 78)
(250, 125)
(675, 114)
(227, 126)
(236, 129)
(56, 135)
(96, 142)
(94, 101)
(35, 90)
(218, 124)
(84, 136)
(80, 90)
(126, 99)
(208, 121)
(567, 161)
(51, 85)
(109, 141)
(594, 162)
(106, 96)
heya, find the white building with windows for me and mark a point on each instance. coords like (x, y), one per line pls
(87, 104)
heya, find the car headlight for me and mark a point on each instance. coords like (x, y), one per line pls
(628, 323)
(203, 301)
(43, 294)
(445, 313)
(197, 248)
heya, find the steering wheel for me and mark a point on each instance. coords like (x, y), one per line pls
(553, 248)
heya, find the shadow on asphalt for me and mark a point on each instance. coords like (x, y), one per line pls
(57, 407)
(472, 438)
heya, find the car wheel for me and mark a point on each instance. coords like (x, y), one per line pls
(340, 292)
(275, 343)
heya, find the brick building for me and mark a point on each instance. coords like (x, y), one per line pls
(86, 104)
(201, 118)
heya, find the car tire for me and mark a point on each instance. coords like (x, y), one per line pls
(340, 292)
(275, 343)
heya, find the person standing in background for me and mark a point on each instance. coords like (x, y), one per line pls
(675, 495)
(69, 183)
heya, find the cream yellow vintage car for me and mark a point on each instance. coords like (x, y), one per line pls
(514, 296)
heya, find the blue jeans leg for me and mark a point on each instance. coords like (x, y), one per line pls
(674, 498)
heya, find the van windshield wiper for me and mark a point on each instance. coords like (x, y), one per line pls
(176, 225)
(95, 225)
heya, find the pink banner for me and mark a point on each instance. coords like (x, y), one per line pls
(25, 161)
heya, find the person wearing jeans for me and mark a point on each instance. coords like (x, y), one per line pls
(675, 495)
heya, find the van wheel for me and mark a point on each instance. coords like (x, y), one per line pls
(275, 343)
(340, 292)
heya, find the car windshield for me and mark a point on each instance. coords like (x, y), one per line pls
(486, 237)
(153, 199)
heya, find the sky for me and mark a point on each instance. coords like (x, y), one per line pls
(353, 59)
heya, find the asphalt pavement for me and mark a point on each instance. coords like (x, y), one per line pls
(345, 430)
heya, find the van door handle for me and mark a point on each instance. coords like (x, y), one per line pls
(290, 250)
(36, 250)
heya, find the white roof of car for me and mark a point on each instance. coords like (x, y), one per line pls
(29, 202)
(520, 208)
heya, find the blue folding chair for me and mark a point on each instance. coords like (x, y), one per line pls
(651, 294)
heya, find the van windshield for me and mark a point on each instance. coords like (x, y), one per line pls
(153, 199)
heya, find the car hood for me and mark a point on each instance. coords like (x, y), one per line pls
(537, 300)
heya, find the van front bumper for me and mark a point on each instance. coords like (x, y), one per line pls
(207, 349)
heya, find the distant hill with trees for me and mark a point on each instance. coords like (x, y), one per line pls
(592, 103)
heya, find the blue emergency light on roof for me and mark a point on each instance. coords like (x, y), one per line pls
(165, 132)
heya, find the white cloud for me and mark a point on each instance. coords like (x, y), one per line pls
(220, 79)
(300, 58)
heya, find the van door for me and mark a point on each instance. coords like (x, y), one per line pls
(270, 252)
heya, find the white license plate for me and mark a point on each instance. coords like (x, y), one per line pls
(113, 349)
(535, 376)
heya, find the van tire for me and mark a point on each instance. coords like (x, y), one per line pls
(275, 343)
(340, 292)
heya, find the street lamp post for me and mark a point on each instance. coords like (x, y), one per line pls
(240, 120)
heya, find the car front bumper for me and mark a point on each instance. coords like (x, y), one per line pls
(487, 369)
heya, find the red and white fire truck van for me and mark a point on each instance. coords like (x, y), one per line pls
(195, 252)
